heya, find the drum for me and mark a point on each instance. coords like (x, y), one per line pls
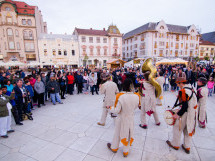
(168, 117)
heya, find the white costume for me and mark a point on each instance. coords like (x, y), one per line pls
(110, 90)
(161, 81)
(124, 124)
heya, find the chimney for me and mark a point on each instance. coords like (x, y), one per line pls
(103, 29)
(91, 29)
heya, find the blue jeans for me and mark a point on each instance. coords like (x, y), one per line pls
(166, 87)
(210, 91)
(55, 97)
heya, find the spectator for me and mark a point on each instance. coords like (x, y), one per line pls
(54, 89)
(70, 86)
(93, 83)
(79, 82)
(62, 82)
(39, 87)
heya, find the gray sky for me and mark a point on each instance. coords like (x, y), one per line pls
(64, 15)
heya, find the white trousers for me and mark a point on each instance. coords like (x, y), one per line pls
(5, 124)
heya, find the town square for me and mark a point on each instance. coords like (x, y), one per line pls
(107, 80)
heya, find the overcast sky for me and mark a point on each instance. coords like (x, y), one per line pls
(62, 16)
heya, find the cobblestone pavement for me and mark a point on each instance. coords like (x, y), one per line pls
(69, 132)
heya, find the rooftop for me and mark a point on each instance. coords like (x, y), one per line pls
(57, 36)
(210, 36)
(91, 32)
(152, 25)
(21, 7)
(202, 42)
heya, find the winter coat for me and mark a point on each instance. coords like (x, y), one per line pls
(3, 104)
(53, 84)
(39, 87)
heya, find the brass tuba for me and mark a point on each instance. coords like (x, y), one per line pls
(148, 66)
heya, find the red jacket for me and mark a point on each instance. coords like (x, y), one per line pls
(70, 79)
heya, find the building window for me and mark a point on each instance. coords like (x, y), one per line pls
(91, 51)
(135, 46)
(18, 46)
(65, 52)
(181, 45)
(17, 33)
(161, 43)
(176, 45)
(29, 22)
(104, 40)
(28, 35)
(131, 47)
(59, 52)
(1, 57)
(105, 51)
(98, 51)
(155, 45)
(73, 52)
(84, 52)
(29, 47)
(11, 45)
(23, 21)
(45, 52)
(9, 32)
(83, 39)
(104, 62)
(91, 39)
(115, 40)
(7, 9)
(98, 39)
(135, 39)
(54, 52)
(9, 20)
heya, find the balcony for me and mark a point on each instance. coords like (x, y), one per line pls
(28, 38)
(116, 55)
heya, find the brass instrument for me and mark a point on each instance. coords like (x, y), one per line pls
(149, 67)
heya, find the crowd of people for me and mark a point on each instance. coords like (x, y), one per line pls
(21, 92)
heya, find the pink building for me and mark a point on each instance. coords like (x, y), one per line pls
(96, 47)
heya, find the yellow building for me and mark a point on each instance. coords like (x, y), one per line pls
(20, 25)
(206, 49)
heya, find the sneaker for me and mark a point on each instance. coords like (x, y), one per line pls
(10, 131)
(100, 124)
(44, 104)
(4, 136)
(60, 102)
(39, 106)
(158, 124)
(19, 123)
(143, 126)
(54, 103)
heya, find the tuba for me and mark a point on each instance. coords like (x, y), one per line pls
(149, 67)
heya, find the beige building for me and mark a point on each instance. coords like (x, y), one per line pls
(59, 50)
(20, 25)
(159, 40)
(206, 49)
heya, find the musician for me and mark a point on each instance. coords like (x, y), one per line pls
(110, 89)
(148, 102)
(185, 117)
(161, 80)
(202, 95)
(126, 103)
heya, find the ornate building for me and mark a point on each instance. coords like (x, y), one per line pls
(57, 49)
(158, 40)
(206, 49)
(98, 46)
(20, 25)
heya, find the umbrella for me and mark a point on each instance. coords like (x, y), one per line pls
(48, 63)
(164, 61)
(33, 63)
(14, 63)
(2, 63)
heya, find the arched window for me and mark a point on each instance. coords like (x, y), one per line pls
(28, 34)
(9, 32)
(161, 27)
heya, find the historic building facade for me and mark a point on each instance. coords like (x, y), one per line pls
(158, 40)
(98, 46)
(57, 49)
(206, 49)
(20, 25)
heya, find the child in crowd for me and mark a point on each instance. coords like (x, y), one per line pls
(29, 88)
(166, 83)
(210, 86)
